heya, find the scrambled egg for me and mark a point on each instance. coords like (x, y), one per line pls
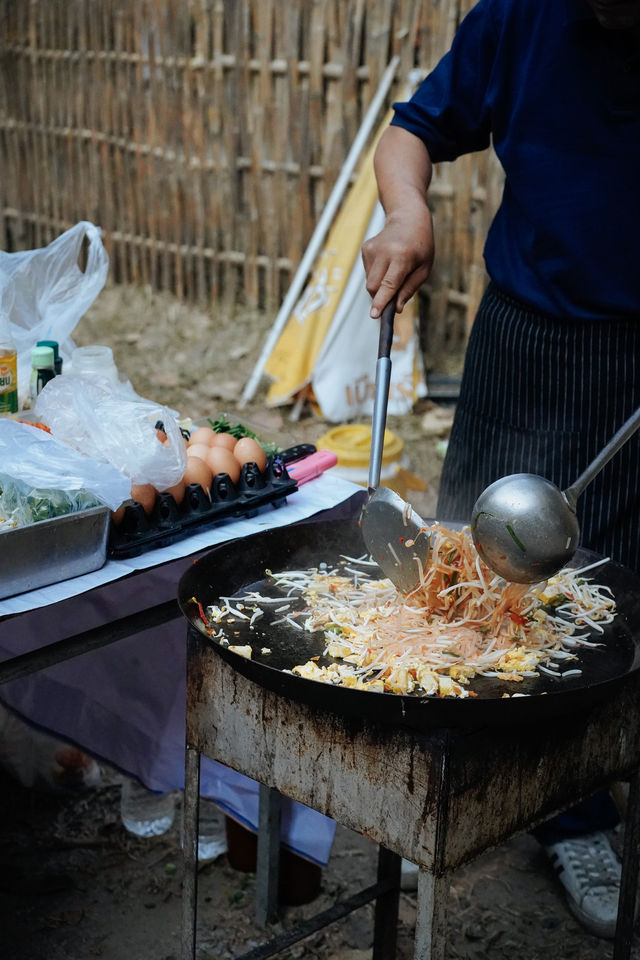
(518, 660)
(244, 651)
(400, 680)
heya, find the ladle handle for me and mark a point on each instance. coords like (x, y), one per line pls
(625, 432)
(381, 396)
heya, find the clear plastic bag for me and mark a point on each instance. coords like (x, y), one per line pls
(40, 477)
(109, 422)
(44, 291)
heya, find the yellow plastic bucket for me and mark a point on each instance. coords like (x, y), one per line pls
(351, 442)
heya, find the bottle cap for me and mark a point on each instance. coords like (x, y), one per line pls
(42, 357)
(50, 343)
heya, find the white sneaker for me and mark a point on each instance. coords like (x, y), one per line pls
(590, 872)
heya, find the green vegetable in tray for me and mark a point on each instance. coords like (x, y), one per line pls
(47, 504)
(20, 505)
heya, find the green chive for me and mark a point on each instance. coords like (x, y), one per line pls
(515, 539)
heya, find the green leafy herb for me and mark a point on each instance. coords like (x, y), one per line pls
(557, 600)
(515, 539)
(238, 430)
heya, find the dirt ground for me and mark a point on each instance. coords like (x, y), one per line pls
(75, 885)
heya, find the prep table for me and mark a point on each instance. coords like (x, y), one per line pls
(125, 701)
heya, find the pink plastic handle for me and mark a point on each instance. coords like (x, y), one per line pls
(312, 466)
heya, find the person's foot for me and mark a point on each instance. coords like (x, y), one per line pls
(589, 871)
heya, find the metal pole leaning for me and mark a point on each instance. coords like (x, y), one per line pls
(321, 229)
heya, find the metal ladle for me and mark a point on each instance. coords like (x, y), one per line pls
(394, 533)
(525, 528)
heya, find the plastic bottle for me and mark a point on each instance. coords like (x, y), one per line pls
(212, 836)
(8, 368)
(143, 812)
(95, 360)
(42, 370)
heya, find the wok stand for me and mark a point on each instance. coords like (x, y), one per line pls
(439, 797)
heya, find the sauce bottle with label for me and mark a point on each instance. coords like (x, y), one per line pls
(42, 370)
(8, 368)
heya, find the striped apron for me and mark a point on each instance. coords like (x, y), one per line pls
(543, 395)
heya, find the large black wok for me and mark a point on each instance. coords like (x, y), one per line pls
(239, 563)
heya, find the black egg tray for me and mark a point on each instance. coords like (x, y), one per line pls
(168, 522)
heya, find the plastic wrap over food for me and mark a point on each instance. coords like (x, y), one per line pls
(42, 478)
(105, 421)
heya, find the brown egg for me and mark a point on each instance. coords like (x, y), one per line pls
(117, 515)
(197, 471)
(177, 491)
(247, 450)
(144, 494)
(202, 435)
(224, 440)
(222, 460)
(198, 450)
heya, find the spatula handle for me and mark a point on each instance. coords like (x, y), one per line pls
(387, 319)
(381, 397)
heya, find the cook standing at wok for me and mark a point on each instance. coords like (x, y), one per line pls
(553, 361)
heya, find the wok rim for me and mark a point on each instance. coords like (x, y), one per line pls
(397, 709)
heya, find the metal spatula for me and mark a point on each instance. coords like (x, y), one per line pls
(394, 533)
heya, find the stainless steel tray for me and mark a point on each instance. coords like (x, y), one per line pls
(52, 550)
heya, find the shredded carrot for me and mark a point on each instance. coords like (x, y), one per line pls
(203, 615)
(38, 425)
(459, 622)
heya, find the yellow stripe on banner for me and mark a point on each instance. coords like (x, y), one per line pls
(293, 358)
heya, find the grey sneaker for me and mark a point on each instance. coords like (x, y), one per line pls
(589, 871)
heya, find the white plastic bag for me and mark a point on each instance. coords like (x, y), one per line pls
(100, 418)
(34, 466)
(45, 292)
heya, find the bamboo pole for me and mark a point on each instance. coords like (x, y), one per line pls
(321, 230)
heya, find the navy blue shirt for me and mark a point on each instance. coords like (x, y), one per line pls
(559, 98)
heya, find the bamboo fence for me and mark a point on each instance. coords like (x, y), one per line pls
(204, 136)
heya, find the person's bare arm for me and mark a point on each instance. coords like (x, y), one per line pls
(399, 258)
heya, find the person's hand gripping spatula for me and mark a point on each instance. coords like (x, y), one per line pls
(393, 532)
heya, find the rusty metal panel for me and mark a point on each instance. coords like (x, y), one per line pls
(379, 782)
(437, 797)
(502, 782)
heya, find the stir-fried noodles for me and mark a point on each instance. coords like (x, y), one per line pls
(460, 622)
